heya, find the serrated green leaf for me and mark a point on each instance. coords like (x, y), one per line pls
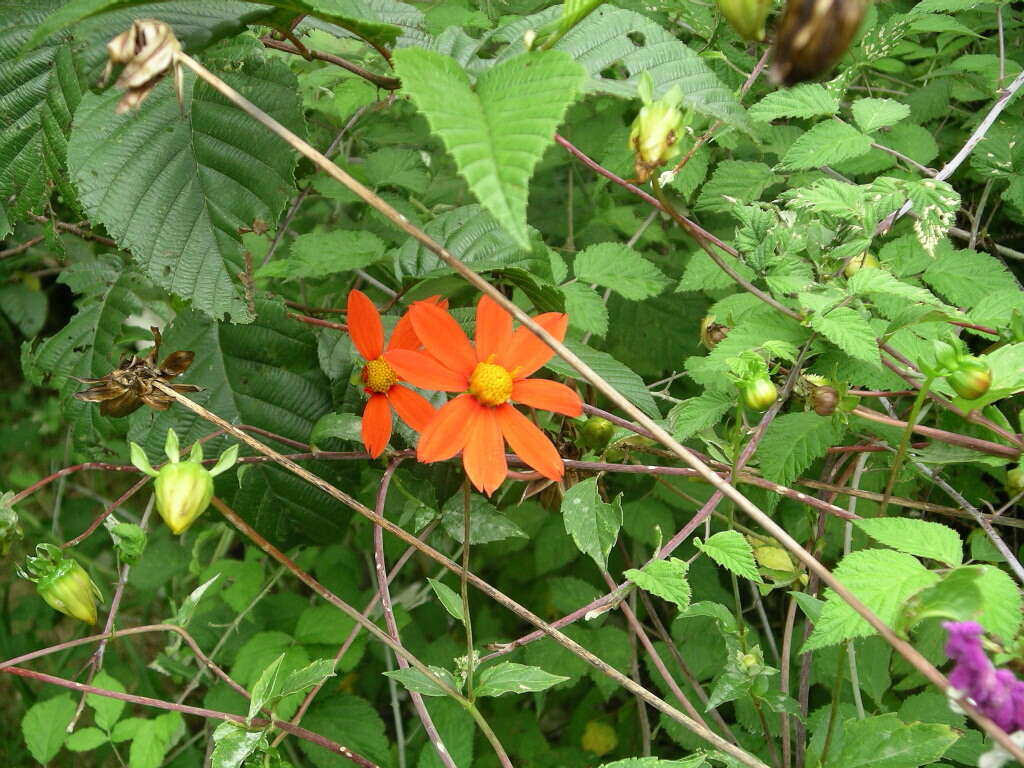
(872, 114)
(593, 525)
(306, 677)
(44, 726)
(664, 578)
(884, 741)
(731, 551)
(881, 282)
(107, 711)
(85, 739)
(804, 100)
(860, 572)
(698, 413)
(417, 682)
(628, 383)
(233, 743)
(152, 740)
(964, 277)
(826, 143)
(1001, 603)
(449, 598)
(509, 677)
(320, 254)
(486, 523)
(734, 182)
(497, 132)
(266, 687)
(616, 266)
(190, 603)
(916, 537)
(174, 191)
(844, 327)
(792, 442)
(585, 308)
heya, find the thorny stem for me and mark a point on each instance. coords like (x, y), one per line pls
(602, 386)
(901, 450)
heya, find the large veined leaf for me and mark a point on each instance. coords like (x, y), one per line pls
(174, 190)
(264, 374)
(366, 18)
(40, 88)
(613, 37)
(86, 347)
(497, 132)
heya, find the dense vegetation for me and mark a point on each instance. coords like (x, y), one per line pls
(621, 387)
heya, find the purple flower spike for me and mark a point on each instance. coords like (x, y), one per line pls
(996, 693)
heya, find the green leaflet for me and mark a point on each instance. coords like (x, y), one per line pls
(174, 190)
(497, 132)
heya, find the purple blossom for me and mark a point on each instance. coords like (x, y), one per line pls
(996, 693)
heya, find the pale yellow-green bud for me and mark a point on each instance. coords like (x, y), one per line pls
(654, 137)
(183, 492)
(747, 17)
(62, 583)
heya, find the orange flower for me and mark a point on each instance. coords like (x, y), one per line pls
(380, 381)
(479, 421)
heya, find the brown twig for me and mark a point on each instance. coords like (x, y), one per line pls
(381, 81)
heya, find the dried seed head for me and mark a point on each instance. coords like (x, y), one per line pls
(147, 50)
(812, 35)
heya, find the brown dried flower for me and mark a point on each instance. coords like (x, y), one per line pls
(812, 35)
(147, 50)
(130, 385)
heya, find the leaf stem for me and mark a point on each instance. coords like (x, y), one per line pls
(901, 449)
(467, 622)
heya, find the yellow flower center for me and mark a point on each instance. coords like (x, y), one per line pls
(490, 383)
(378, 376)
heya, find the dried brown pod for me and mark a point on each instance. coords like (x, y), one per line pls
(824, 400)
(811, 37)
(711, 333)
(147, 50)
(130, 386)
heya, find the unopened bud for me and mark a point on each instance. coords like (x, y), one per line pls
(62, 583)
(759, 394)
(866, 260)
(654, 137)
(597, 433)
(747, 17)
(971, 379)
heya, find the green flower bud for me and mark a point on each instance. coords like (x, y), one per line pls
(597, 433)
(747, 17)
(947, 356)
(866, 260)
(759, 394)
(62, 583)
(971, 379)
(1015, 481)
(10, 530)
(654, 137)
(183, 488)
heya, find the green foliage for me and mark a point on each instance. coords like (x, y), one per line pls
(593, 524)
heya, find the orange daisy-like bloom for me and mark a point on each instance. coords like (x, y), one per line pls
(489, 376)
(380, 381)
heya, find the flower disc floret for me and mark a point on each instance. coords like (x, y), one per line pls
(490, 383)
(378, 376)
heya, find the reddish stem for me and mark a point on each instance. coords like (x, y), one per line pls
(317, 321)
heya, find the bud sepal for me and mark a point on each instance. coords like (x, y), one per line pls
(62, 583)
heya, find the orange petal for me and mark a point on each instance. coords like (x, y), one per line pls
(548, 396)
(421, 370)
(376, 425)
(526, 352)
(447, 432)
(493, 328)
(443, 337)
(484, 454)
(412, 408)
(404, 336)
(529, 443)
(364, 325)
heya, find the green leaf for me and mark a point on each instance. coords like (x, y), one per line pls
(694, 761)
(792, 442)
(593, 525)
(174, 191)
(342, 426)
(449, 598)
(844, 327)
(805, 100)
(827, 143)
(153, 739)
(616, 266)
(44, 726)
(233, 744)
(498, 132)
(266, 687)
(734, 182)
(351, 721)
(698, 413)
(885, 742)
(417, 682)
(1001, 603)
(509, 677)
(585, 308)
(861, 573)
(664, 578)
(628, 384)
(486, 523)
(85, 739)
(872, 114)
(24, 307)
(320, 254)
(880, 282)
(129, 541)
(731, 551)
(965, 277)
(107, 710)
(190, 603)
(306, 677)
(916, 537)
